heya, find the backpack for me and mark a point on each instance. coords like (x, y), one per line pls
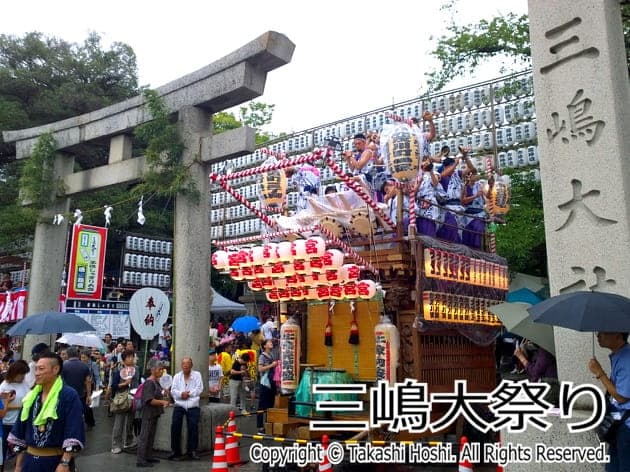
(137, 397)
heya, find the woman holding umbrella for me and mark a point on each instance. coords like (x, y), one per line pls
(618, 391)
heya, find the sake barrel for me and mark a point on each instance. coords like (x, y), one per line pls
(404, 154)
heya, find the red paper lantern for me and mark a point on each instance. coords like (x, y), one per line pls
(351, 291)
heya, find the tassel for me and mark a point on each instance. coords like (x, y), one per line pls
(354, 327)
(328, 335)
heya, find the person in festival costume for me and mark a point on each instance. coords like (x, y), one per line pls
(49, 431)
(474, 201)
(428, 211)
(307, 179)
(452, 181)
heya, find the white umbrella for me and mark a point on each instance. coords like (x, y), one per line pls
(85, 339)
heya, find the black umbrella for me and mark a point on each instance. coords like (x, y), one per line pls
(50, 322)
(585, 311)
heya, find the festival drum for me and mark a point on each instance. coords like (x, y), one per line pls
(331, 224)
(404, 153)
(360, 222)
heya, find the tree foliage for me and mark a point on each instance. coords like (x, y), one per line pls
(46, 79)
(254, 114)
(522, 239)
(466, 47)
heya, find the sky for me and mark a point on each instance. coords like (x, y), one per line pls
(350, 57)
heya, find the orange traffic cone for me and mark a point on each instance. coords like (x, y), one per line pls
(464, 465)
(324, 465)
(219, 464)
(232, 451)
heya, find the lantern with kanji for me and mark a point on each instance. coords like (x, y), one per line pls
(350, 273)
(387, 345)
(315, 247)
(298, 250)
(366, 289)
(290, 335)
(273, 188)
(404, 153)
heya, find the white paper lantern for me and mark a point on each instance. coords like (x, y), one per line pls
(301, 267)
(257, 255)
(297, 293)
(367, 289)
(333, 277)
(236, 274)
(220, 260)
(267, 283)
(315, 247)
(315, 265)
(280, 283)
(248, 273)
(245, 257)
(298, 249)
(311, 293)
(277, 270)
(351, 291)
(349, 273)
(273, 296)
(270, 253)
(234, 261)
(284, 295)
(323, 292)
(333, 259)
(285, 253)
(255, 285)
(336, 292)
(314, 279)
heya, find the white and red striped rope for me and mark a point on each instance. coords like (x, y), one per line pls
(359, 191)
(348, 250)
(315, 155)
(260, 237)
(399, 118)
(492, 240)
(228, 188)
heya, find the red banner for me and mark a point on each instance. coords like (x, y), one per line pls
(87, 262)
(12, 305)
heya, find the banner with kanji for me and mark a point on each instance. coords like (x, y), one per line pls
(87, 262)
(13, 305)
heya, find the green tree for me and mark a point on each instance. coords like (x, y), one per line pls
(46, 79)
(522, 239)
(506, 38)
(254, 114)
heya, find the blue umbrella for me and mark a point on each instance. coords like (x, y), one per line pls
(245, 324)
(50, 322)
(524, 295)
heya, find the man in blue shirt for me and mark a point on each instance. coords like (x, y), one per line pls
(618, 387)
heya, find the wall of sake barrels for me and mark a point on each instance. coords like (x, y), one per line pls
(343, 353)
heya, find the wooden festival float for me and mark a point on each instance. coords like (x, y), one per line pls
(373, 302)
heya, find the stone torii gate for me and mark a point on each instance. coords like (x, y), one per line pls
(233, 79)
